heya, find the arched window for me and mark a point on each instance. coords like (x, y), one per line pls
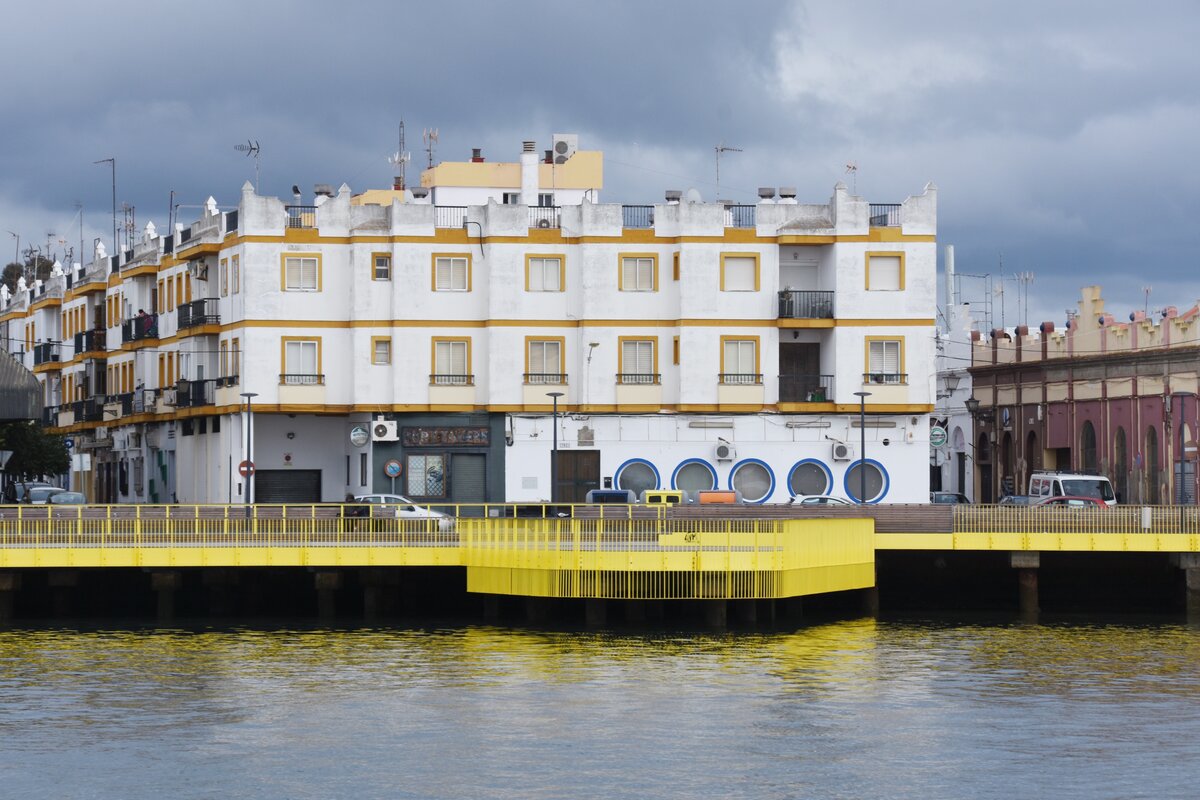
(877, 481)
(754, 479)
(1087, 449)
(809, 477)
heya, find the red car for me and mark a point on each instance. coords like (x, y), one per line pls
(1071, 501)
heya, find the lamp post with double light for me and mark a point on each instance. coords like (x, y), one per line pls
(862, 446)
(554, 447)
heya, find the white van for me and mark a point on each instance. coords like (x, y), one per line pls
(1071, 484)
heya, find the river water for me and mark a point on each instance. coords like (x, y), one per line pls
(854, 709)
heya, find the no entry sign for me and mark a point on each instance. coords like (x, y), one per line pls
(246, 469)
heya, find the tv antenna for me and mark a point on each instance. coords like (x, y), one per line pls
(722, 148)
(399, 160)
(1146, 292)
(430, 137)
(852, 171)
(251, 148)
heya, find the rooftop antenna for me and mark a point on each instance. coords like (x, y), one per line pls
(251, 148)
(1146, 292)
(400, 159)
(1023, 280)
(430, 137)
(113, 162)
(852, 171)
(722, 148)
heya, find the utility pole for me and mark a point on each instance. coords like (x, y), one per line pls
(113, 163)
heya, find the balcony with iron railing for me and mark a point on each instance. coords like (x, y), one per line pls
(227, 381)
(740, 216)
(739, 378)
(448, 379)
(545, 217)
(50, 416)
(123, 401)
(804, 304)
(449, 216)
(546, 378)
(193, 393)
(805, 388)
(142, 327)
(639, 378)
(89, 410)
(886, 378)
(637, 216)
(197, 313)
(90, 342)
(301, 216)
(301, 379)
(885, 215)
(46, 353)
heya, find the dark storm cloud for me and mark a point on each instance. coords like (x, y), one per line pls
(1059, 134)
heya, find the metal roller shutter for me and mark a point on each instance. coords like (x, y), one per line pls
(468, 478)
(287, 486)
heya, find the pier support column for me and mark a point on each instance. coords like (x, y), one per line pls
(537, 610)
(792, 608)
(716, 613)
(746, 611)
(327, 584)
(1027, 565)
(63, 583)
(1190, 564)
(222, 585)
(870, 601)
(379, 584)
(635, 611)
(595, 612)
(491, 606)
(10, 583)
(165, 584)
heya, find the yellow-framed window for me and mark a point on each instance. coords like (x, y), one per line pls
(638, 360)
(300, 272)
(381, 266)
(381, 350)
(224, 277)
(451, 360)
(740, 360)
(885, 360)
(301, 361)
(235, 356)
(885, 271)
(638, 272)
(224, 359)
(740, 272)
(544, 360)
(545, 273)
(451, 272)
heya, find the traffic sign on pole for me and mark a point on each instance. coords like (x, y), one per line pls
(246, 469)
(937, 436)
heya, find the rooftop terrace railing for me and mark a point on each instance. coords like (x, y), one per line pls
(805, 304)
(301, 216)
(449, 216)
(885, 215)
(637, 216)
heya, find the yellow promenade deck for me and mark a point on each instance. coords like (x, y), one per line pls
(624, 552)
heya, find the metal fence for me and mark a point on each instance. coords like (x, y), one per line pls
(885, 215)
(804, 304)
(637, 216)
(449, 216)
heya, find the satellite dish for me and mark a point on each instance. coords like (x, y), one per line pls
(692, 196)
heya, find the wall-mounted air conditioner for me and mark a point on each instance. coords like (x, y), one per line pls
(724, 452)
(842, 451)
(384, 430)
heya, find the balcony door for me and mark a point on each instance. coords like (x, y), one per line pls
(799, 370)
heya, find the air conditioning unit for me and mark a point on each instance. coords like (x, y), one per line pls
(120, 441)
(565, 145)
(133, 441)
(724, 452)
(384, 430)
(842, 451)
(169, 397)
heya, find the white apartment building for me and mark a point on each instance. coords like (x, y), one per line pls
(413, 346)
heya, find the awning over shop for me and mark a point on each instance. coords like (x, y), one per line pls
(20, 392)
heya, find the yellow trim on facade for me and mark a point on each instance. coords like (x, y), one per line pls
(283, 259)
(621, 257)
(757, 269)
(562, 270)
(433, 270)
(562, 350)
(435, 341)
(881, 254)
(757, 351)
(621, 340)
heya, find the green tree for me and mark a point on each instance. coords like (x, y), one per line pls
(34, 452)
(34, 265)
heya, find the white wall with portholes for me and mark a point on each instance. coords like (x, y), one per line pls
(766, 460)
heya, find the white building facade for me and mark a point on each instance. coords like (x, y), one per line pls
(414, 346)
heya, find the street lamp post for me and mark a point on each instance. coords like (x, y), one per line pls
(554, 448)
(862, 446)
(249, 448)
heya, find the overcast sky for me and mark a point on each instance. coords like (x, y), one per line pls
(1061, 136)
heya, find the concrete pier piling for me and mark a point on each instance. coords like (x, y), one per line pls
(716, 613)
(595, 612)
(327, 582)
(380, 587)
(165, 584)
(10, 584)
(1027, 565)
(62, 583)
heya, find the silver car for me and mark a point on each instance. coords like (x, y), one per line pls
(401, 507)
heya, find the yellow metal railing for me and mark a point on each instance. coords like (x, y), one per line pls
(1125, 520)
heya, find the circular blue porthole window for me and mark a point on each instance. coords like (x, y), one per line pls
(878, 481)
(753, 478)
(809, 476)
(694, 475)
(637, 475)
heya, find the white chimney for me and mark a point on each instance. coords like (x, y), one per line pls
(529, 174)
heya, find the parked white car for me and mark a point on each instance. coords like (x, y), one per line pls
(820, 500)
(401, 507)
